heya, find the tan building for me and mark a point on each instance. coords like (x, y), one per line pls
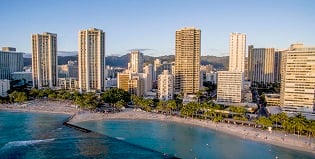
(136, 85)
(68, 83)
(237, 52)
(91, 60)
(262, 65)
(272, 99)
(136, 62)
(187, 60)
(165, 86)
(122, 81)
(229, 86)
(44, 60)
(10, 61)
(298, 79)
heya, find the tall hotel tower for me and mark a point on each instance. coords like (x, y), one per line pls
(230, 83)
(298, 79)
(187, 60)
(91, 60)
(237, 52)
(44, 60)
(136, 62)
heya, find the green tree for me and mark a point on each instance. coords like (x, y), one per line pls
(18, 97)
(114, 95)
(171, 106)
(265, 122)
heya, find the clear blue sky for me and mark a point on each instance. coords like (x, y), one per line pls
(151, 24)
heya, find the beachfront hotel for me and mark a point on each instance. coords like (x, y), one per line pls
(187, 60)
(44, 60)
(230, 83)
(262, 65)
(229, 86)
(237, 50)
(10, 61)
(136, 61)
(298, 79)
(91, 60)
(165, 86)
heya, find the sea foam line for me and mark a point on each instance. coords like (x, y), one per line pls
(25, 143)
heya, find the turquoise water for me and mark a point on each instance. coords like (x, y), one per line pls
(186, 141)
(36, 136)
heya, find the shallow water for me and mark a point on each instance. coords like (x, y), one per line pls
(187, 141)
(35, 135)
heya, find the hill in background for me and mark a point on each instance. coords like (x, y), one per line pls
(220, 63)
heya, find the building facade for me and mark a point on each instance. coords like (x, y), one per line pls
(10, 61)
(91, 60)
(263, 63)
(237, 51)
(165, 86)
(187, 60)
(44, 60)
(4, 87)
(122, 81)
(298, 79)
(136, 62)
(230, 86)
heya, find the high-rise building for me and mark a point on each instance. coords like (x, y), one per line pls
(298, 79)
(229, 86)
(136, 61)
(262, 65)
(237, 52)
(165, 86)
(91, 60)
(122, 81)
(187, 60)
(44, 60)
(277, 66)
(148, 75)
(157, 63)
(136, 84)
(10, 61)
(4, 87)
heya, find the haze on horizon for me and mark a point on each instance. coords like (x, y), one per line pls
(151, 24)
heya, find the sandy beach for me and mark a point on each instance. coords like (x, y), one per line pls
(42, 106)
(278, 138)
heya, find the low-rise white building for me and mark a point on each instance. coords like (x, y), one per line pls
(4, 87)
(165, 86)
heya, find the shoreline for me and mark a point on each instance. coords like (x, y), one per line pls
(41, 106)
(277, 138)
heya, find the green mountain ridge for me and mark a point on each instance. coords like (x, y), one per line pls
(220, 63)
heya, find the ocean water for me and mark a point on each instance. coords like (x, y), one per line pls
(185, 141)
(37, 136)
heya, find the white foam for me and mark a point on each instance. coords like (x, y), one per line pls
(120, 138)
(25, 143)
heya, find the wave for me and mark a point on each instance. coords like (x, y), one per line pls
(25, 143)
(120, 138)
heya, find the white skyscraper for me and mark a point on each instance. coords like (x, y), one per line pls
(91, 60)
(230, 83)
(44, 60)
(165, 86)
(237, 52)
(136, 61)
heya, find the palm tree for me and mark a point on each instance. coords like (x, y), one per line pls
(300, 123)
(265, 122)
